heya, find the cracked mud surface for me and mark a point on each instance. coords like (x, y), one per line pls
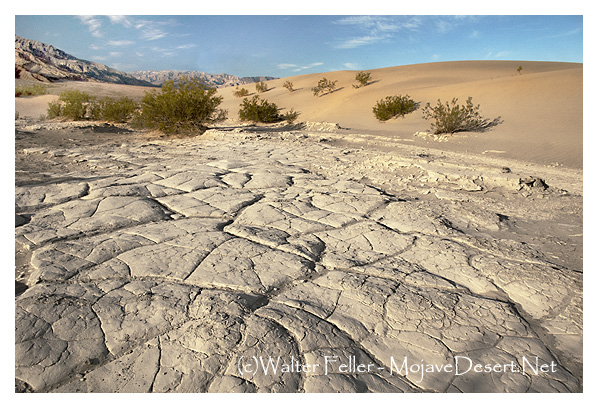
(168, 265)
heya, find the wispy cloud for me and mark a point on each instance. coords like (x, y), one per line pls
(120, 43)
(374, 29)
(566, 33)
(93, 24)
(165, 52)
(296, 67)
(443, 26)
(148, 29)
(124, 20)
(351, 66)
(497, 54)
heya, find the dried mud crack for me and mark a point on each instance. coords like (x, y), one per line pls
(275, 262)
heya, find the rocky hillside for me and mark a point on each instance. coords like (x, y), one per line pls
(217, 80)
(44, 62)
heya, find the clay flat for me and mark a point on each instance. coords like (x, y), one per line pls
(308, 258)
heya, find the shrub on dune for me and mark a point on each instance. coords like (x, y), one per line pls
(393, 107)
(258, 110)
(290, 116)
(241, 92)
(363, 79)
(288, 85)
(451, 117)
(261, 86)
(185, 108)
(324, 86)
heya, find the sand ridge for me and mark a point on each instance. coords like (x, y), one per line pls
(541, 108)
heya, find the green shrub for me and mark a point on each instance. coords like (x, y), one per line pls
(363, 78)
(324, 86)
(54, 109)
(241, 92)
(258, 110)
(451, 117)
(288, 85)
(113, 109)
(290, 116)
(31, 90)
(261, 86)
(393, 106)
(185, 108)
(75, 104)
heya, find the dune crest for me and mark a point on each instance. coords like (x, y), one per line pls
(541, 107)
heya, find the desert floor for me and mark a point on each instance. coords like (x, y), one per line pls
(356, 258)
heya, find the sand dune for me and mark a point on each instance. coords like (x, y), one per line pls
(541, 108)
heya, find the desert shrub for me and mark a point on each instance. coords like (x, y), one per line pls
(31, 90)
(519, 69)
(363, 78)
(187, 107)
(452, 117)
(241, 92)
(113, 109)
(288, 85)
(324, 86)
(290, 116)
(393, 106)
(261, 86)
(54, 110)
(75, 104)
(258, 110)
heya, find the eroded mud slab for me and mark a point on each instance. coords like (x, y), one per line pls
(239, 262)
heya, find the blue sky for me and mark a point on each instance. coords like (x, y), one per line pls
(285, 45)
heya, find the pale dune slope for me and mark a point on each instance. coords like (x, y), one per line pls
(541, 108)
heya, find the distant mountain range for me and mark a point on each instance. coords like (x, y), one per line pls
(217, 80)
(44, 62)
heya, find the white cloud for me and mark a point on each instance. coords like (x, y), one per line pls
(360, 41)
(124, 20)
(351, 66)
(150, 30)
(443, 26)
(296, 68)
(374, 29)
(119, 43)
(93, 24)
(498, 54)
